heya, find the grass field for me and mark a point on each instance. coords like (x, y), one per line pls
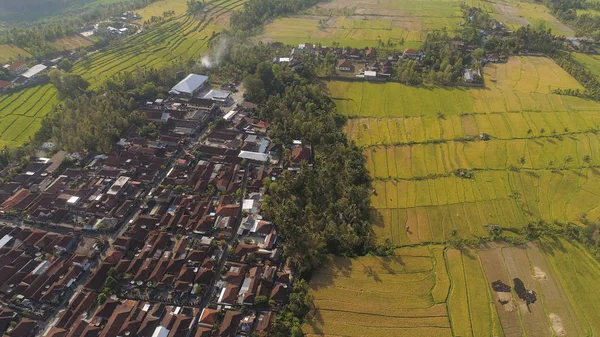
(422, 291)
(182, 37)
(8, 52)
(541, 160)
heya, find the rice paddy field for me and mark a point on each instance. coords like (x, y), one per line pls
(538, 158)
(420, 291)
(9, 52)
(182, 37)
(530, 290)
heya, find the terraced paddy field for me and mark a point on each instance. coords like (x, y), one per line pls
(451, 162)
(421, 291)
(21, 113)
(360, 24)
(182, 37)
(534, 290)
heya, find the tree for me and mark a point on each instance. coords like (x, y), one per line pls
(587, 159)
(65, 65)
(68, 85)
(101, 298)
(261, 301)
(522, 161)
(477, 54)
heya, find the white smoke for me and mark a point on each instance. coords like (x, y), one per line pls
(216, 54)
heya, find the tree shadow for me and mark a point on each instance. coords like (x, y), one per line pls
(368, 270)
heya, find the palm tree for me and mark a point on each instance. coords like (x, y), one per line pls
(587, 159)
(566, 161)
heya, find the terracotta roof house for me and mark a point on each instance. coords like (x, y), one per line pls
(230, 323)
(345, 65)
(208, 317)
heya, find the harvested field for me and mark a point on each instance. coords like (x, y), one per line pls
(361, 24)
(9, 52)
(549, 310)
(71, 42)
(521, 13)
(416, 292)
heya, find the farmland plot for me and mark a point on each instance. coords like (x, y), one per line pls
(416, 292)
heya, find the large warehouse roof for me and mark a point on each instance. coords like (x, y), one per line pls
(189, 84)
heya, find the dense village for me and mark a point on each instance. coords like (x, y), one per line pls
(163, 237)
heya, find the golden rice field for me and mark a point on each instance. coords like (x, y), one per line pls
(541, 161)
(433, 291)
(499, 126)
(421, 291)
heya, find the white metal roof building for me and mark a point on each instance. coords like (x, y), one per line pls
(263, 157)
(34, 71)
(189, 85)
